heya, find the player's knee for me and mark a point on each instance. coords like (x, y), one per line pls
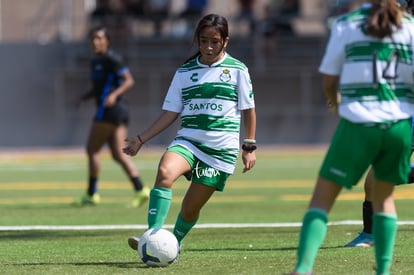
(117, 158)
(165, 176)
(92, 154)
(165, 171)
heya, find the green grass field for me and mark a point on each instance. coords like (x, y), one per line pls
(250, 228)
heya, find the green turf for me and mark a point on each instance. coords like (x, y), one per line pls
(37, 190)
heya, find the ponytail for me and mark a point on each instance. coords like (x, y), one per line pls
(384, 17)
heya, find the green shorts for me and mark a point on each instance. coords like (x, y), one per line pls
(201, 172)
(354, 147)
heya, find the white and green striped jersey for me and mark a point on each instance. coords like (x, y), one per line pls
(209, 99)
(376, 76)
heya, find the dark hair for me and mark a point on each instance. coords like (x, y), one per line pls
(410, 6)
(98, 29)
(384, 16)
(211, 20)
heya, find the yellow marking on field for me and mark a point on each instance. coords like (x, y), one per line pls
(52, 154)
(48, 200)
(68, 200)
(399, 194)
(17, 158)
(236, 199)
(121, 185)
(36, 200)
(61, 185)
(270, 184)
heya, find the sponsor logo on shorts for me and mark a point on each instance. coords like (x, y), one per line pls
(337, 172)
(208, 172)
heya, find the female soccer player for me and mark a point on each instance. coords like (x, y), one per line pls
(364, 238)
(369, 58)
(210, 91)
(111, 79)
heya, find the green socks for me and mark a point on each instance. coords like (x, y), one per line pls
(182, 228)
(312, 235)
(384, 230)
(159, 205)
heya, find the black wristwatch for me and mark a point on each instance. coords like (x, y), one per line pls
(249, 148)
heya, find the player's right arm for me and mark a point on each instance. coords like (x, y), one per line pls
(88, 95)
(135, 143)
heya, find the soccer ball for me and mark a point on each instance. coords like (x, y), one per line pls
(158, 247)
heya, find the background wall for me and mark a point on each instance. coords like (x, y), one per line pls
(42, 82)
(41, 79)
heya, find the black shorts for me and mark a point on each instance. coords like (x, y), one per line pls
(117, 114)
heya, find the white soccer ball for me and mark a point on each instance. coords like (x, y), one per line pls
(158, 247)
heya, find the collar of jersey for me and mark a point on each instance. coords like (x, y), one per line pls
(212, 65)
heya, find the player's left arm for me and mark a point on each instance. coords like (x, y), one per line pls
(249, 156)
(127, 83)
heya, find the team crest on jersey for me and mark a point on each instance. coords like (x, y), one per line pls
(225, 76)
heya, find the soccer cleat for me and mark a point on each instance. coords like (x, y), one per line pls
(296, 273)
(362, 240)
(141, 197)
(88, 200)
(133, 242)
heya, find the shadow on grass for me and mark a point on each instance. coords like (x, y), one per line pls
(19, 235)
(254, 249)
(238, 249)
(126, 265)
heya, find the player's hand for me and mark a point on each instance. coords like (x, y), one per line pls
(249, 160)
(132, 147)
(332, 106)
(110, 100)
(333, 103)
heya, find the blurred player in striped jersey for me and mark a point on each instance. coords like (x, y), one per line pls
(365, 238)
(369, 60)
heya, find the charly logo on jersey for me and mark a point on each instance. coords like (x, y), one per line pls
(225, 76)
(208, 172)
(194, 77)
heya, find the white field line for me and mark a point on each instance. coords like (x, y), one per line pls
(170, 226)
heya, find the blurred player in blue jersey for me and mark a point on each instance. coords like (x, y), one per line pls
(111, 79)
